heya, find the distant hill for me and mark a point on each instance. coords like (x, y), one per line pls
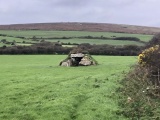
(76, 26)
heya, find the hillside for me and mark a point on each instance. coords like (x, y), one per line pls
(101, 27)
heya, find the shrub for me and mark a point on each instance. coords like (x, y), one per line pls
(127, 38)
(138, 99)
(141, 87)
(154, 41)
(150, 57)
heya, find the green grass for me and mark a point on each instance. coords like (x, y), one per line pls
(98, 41)
(11, 39)
(34, 87)
(1, 44)
(38, 33)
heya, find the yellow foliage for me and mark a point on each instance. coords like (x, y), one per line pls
(146, 57)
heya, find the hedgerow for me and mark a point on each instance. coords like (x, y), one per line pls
(56, 48)
(140, 91)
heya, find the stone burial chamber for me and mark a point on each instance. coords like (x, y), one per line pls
(78, 59)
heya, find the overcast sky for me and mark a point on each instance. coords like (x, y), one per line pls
(133, 12)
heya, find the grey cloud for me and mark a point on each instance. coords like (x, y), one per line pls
(136, 12)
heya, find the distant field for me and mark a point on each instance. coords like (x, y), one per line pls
(98, 41)
(18, 41)
(1, 44)
(34, 87)
(38, 33)
(59, 34)
(11, 39)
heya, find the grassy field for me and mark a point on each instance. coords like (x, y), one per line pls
(11, 39)
(98, 41)
(60, 34)
(17, 40)
(34, 87)
(38, 33)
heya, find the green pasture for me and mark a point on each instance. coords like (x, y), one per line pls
(49, 34)
(11, 39)
(34, 87)
(1, 44)
(97, 41)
